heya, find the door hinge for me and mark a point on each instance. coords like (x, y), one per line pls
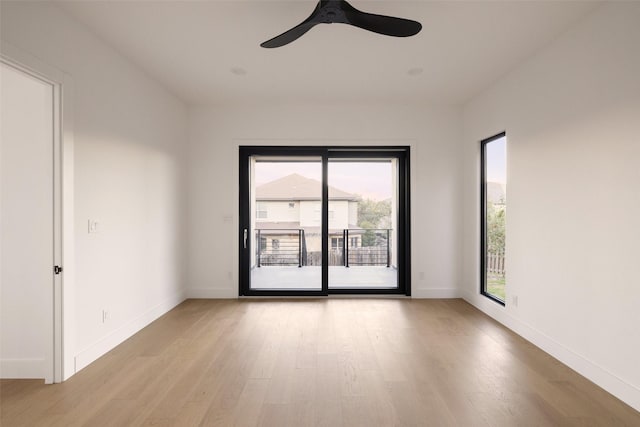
(57, 269)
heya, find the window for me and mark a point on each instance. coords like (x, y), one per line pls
(275, 243)
(261, 210)
(354, 242)
(494, 216)
(263, 243)
(337, 242)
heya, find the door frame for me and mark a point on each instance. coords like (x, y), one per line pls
(402, 153)
(57, 367)
(246, 152)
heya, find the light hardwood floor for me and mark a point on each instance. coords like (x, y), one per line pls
(331, 362)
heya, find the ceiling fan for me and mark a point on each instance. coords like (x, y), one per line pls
(341, 12)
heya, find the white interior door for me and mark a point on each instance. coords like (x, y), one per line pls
(27, 225)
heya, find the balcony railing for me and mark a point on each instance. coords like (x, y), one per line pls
(288, 247)
(281, 247)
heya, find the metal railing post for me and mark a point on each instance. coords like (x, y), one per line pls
(259, 245)
(388, 249)
(305, 255)
(299, 248)
(346, 247)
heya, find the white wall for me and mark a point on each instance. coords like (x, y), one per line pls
(310, 213)
(433, 133)
(340, 219)
(130, 136)
(278, 211)
(353, 213)
(572, 117)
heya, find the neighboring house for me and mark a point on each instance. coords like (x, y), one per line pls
(287, 205)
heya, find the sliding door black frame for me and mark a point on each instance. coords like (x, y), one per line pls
(401, 153)
(246, 152)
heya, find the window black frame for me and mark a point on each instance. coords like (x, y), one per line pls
(401, 153)
(483, 217)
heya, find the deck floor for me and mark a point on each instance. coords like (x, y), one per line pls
(310, 278)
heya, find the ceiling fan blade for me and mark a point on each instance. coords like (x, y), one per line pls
(289, 36)
(340, 11)
(387, 25)
(296, 32)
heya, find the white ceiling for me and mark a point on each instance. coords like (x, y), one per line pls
(192, 47)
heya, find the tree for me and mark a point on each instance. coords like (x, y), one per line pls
(373, 214)
(496, 219)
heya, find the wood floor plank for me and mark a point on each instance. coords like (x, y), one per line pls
(250, 402)
(273, 414)
(319, 362)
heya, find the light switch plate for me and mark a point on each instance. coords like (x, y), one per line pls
(93, 226)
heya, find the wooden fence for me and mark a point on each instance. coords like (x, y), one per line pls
(495, 263)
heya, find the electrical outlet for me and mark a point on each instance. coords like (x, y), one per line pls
(93, 226)
(105, 316)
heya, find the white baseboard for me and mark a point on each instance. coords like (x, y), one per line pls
(618, 387)
(99, 348)
(435, 293)
(212, 293)
(21, 368)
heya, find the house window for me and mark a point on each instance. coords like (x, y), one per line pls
(275, 243)
(354, 242)
(263, 243)
(493, 217)
(261, 210)
(337, 242)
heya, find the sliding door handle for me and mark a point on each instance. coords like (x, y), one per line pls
(245, 238)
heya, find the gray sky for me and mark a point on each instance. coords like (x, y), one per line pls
(496, 158)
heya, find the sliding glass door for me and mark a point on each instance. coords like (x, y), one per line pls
(363, 223)
(285, 195)
(321, 220)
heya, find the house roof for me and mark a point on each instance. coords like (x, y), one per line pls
(298, 187)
